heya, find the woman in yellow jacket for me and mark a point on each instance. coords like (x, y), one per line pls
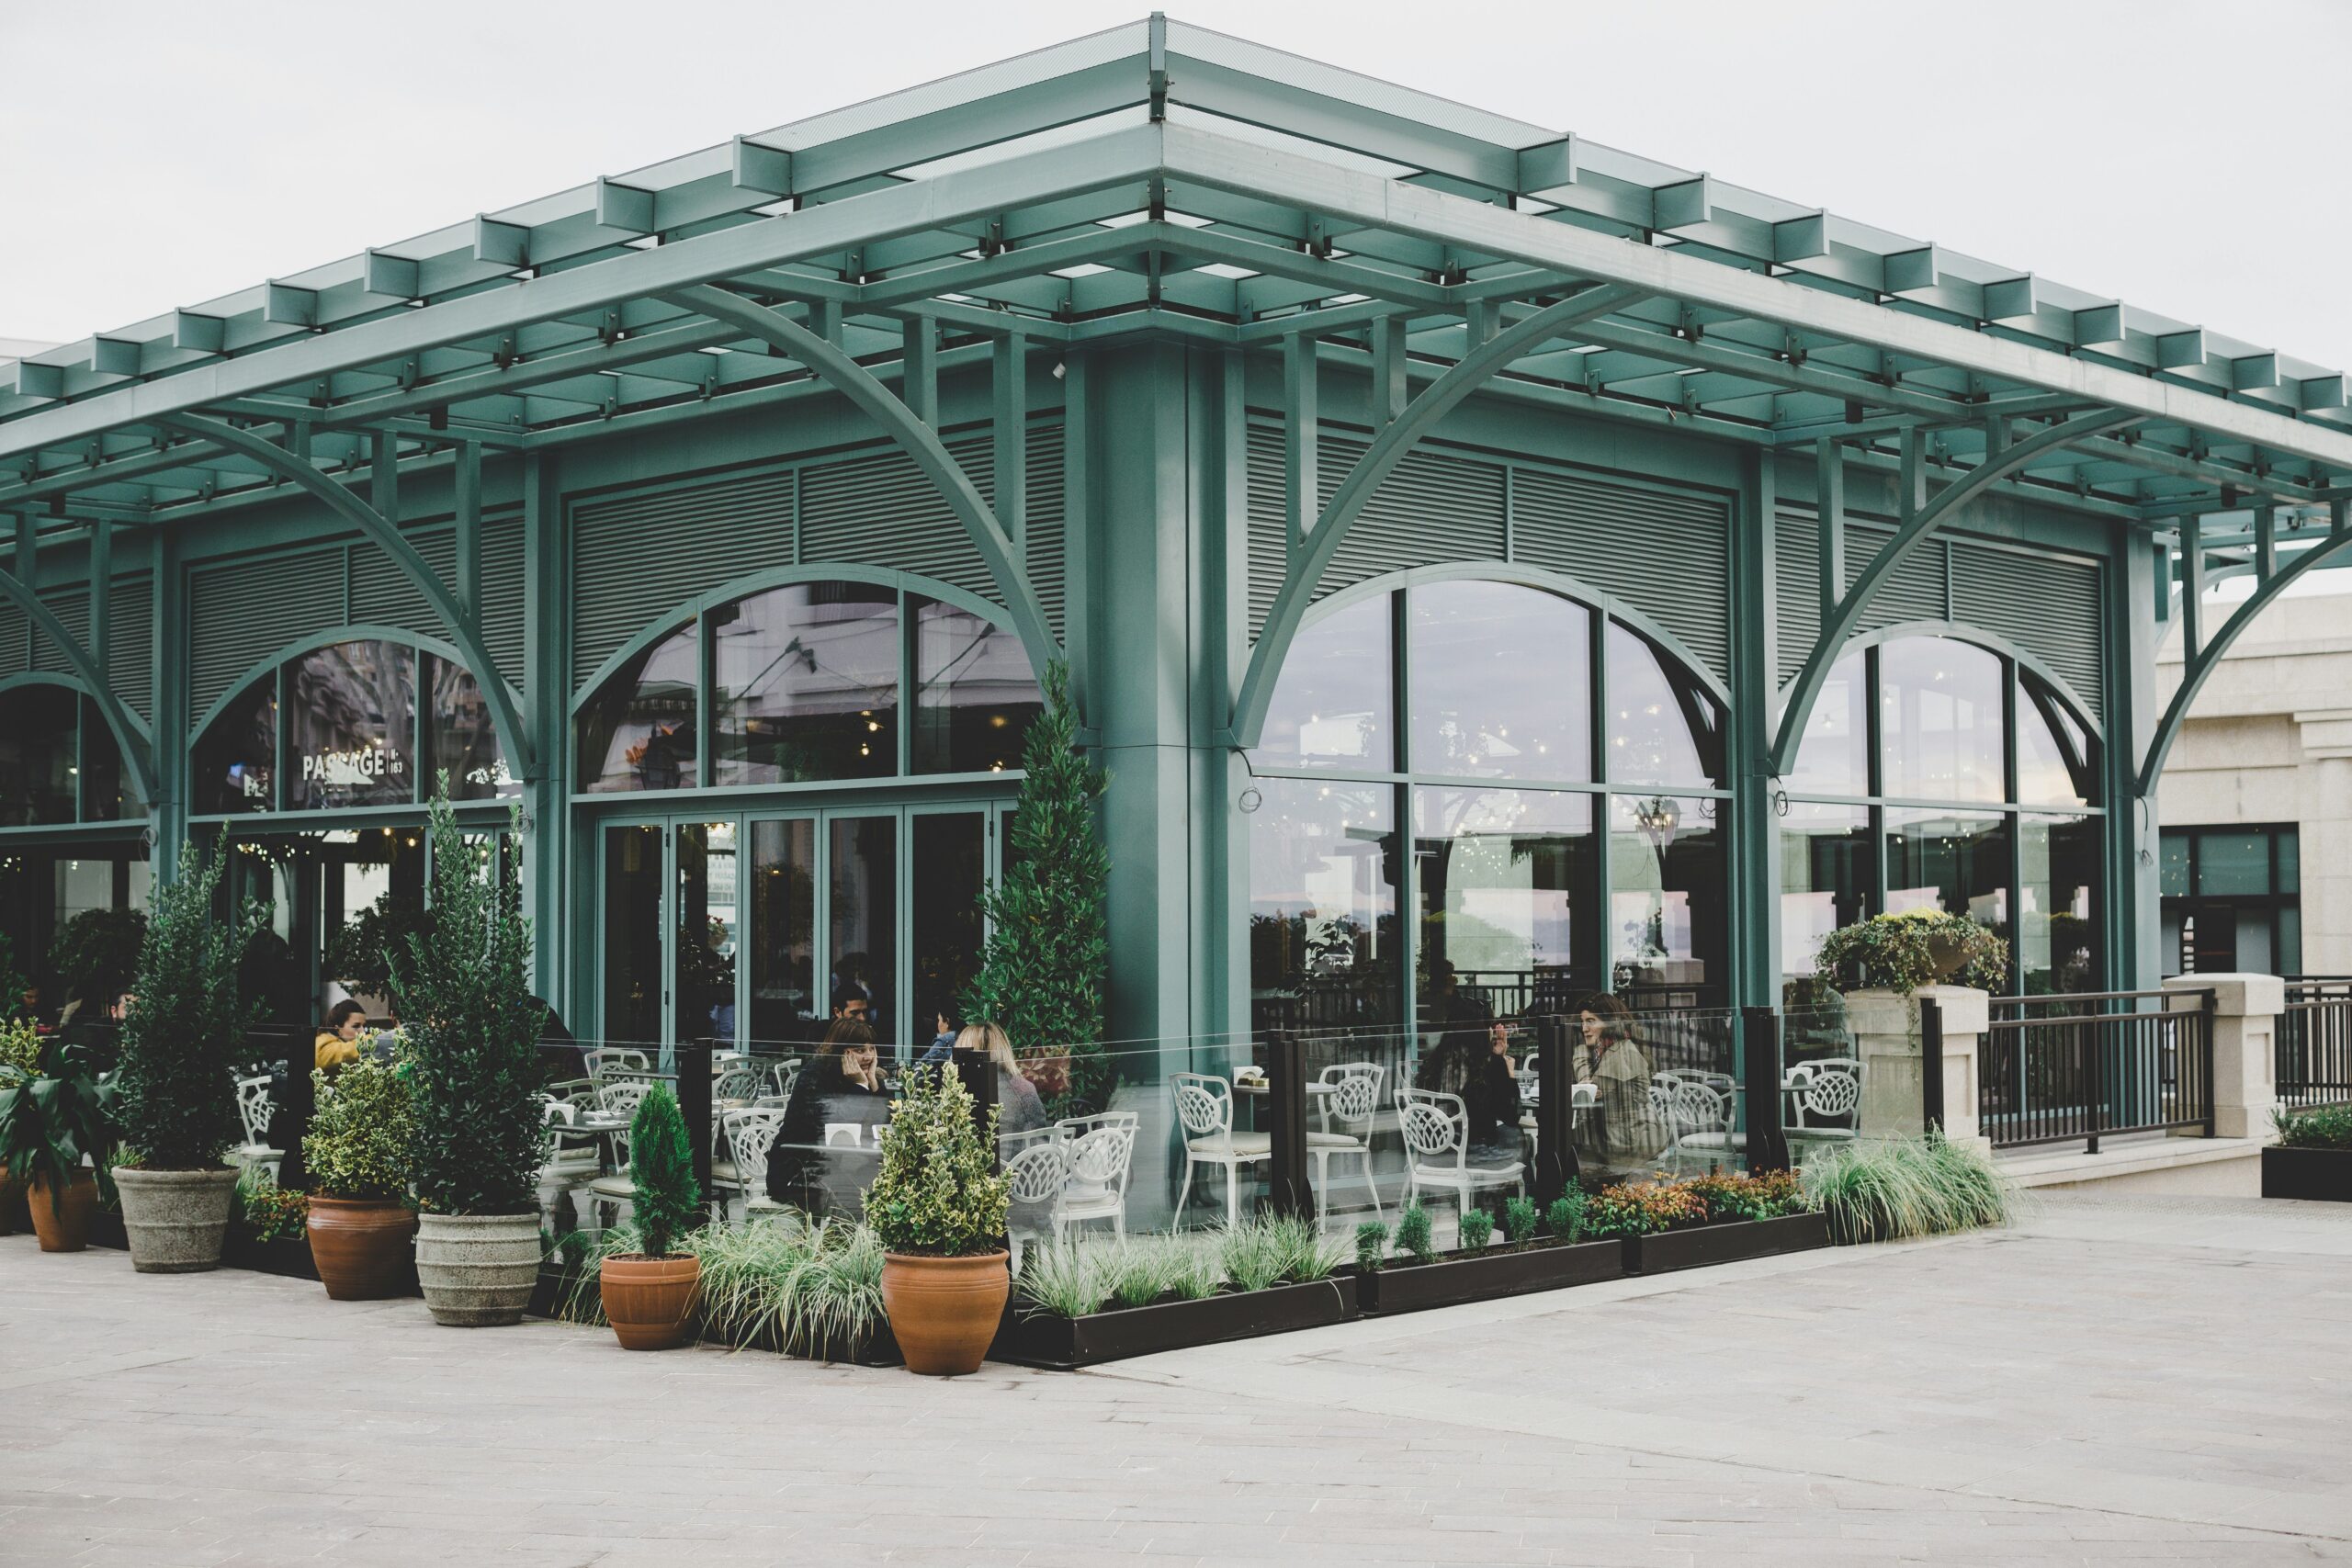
(338, 1040)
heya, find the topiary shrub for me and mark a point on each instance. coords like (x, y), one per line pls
(1414, 1237)
(184, 1028)
(1519, 1220)
(1477, 1229)
(1563, 1217)
(1372, 1245)
(938, 1193)
(363, 1136)
(463, 987)
(667, 1201)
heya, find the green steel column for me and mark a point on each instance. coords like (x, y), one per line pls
(546, 693)
(1754, 824)
(167, 648)
(2131, 633)
(1222, 910)
(1143, 681)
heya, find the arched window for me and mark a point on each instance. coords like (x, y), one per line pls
(809, 682)
(1508, 727)
(1936, 773)
(359, 723)
(59, 763)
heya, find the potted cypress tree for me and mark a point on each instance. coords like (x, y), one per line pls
(463, 987)
(182, 1031)
(358, 1151)
(649, 1293)
(939, 1206)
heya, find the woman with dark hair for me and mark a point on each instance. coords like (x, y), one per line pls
(1608, 1055)
(338, 1038)
(842, 1084)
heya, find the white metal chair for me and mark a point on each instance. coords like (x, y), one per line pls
(741, 1083)
(617, 1189)
(1828, 1104)
(1204, 1107)
(600, 1061)
(750, 1135)
(256, 1109)
(1098, 1156)
(1698, 1120)
(574, 1161)
(1348, 1108)
(1034, 1176)
(1437, 1149)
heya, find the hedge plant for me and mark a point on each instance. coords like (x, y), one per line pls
(184, 1026)
(938, 1193)
(363, 1136)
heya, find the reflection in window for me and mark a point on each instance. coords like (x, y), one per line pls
(1940, 721)
(1498, 680)
(110, 793)
(805, 684)
(1668, 941)
(2058, 916)
(1331, 706)
(949, 873)
(460, 737)
(236, 758)
(1324, 942)
(1824, 878)
(974, 696)
(861, 902)
(38, 766)
(2057, 760)
(1954, 860)
(1831, 758)
(1663, 726)
(785, 1004)
(638, 732)
(1500, 870)
(351, 725)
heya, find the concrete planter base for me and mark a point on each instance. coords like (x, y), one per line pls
(477, 1270)
(175, 1220)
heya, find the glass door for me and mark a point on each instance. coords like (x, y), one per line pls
(704, 953)
(635, 999)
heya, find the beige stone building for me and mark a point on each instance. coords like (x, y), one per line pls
(2255, 801)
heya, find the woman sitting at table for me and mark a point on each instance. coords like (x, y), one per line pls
(842, 1084)
(338, 1037)
(1020, 1108)
(1628, 1133)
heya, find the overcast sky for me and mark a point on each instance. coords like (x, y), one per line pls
(2186, 157)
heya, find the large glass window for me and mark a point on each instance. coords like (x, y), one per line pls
(1324, 942)
(1669, 939)
(1332, 706)
(1832, 759)
(805, 685)
(37, 761)
(638, 732)
(1940, 721)
(1954, 860)
(236, 757)
(785, 1002)
(2058, 903)
(1500, 871)
(1824, 878)
(1499, 678)
(974, 695)
(1663, 726)
(351, 725)
(460, 738)
(2232, 899)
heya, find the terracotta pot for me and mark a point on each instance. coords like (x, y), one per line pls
(944, 1311)
(477, 1270)
(175, 1220)
(65, 1226)
(362, 1246)
(649, 1300)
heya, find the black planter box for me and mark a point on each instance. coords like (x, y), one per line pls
(1063, 1344)
(1449, 1282)
(2324, 1175)
(1665, 1251)
(288, 1259)
(105, 1230)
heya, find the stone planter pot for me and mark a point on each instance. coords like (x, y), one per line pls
(174, 1220)
(477, 1270)
(62, 1219)
(363, 1247)
(944, 1311)
(649, 1300)
(1944, 952)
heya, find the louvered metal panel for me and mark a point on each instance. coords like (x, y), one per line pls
(1919, 588)
(635, 556)
(72, 608)
(15, 628)
(1434, 507)
(2049, 605)
(131, 662)
(242, 613)
(1797, 583)
(877, 509)
(502, 592)
(1666, 553)
(381, 595)
(1264, 502)
(1048, 524)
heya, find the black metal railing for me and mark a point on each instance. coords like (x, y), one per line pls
(2088, 1065)
(2312, 1048)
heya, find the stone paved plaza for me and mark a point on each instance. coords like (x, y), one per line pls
(2114, 1380)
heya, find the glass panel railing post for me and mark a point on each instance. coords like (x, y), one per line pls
(1556, 1155)
(1288, 1193)
(1759, 1039)
(694, 1107)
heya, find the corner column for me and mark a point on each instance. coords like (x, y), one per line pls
(2246, 1035)
(1887, 1037)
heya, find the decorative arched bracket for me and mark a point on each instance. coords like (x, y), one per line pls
(1916, 523)
(465, 630)
(2203, 661)
(992, 535)
(1465, 375)
(130, 733)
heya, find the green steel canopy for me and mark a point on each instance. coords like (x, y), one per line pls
(1161, 176)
